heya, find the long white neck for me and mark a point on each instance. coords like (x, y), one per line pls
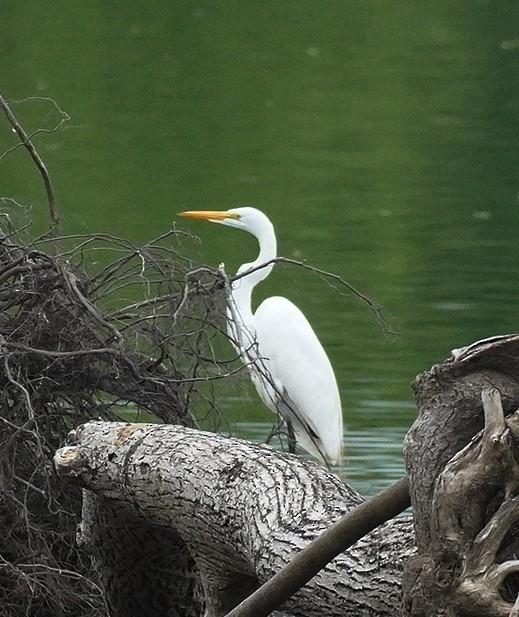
(242, 288)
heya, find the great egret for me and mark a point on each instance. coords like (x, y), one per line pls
(286, 361)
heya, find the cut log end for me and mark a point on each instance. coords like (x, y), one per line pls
(68, 462)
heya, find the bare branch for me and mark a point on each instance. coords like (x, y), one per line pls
(25, 140)
(329, 276)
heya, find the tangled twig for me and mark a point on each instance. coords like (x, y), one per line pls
(71, 350)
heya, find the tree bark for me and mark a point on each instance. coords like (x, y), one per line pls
(464, 484)
(316, 555)
(243, 511)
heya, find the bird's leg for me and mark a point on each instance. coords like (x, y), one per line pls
(291, 437)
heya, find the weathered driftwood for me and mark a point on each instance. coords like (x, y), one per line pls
(464, 488)
(309, 561)
(243, 510)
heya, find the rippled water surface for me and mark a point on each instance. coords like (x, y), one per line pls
(382, 139)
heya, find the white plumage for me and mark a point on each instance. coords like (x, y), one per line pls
(286, 361)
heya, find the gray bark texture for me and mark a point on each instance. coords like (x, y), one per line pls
(461, 457)
(243, 510)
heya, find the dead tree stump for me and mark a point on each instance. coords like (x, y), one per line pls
(461, 458)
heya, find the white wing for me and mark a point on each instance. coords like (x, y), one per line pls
(302, 373)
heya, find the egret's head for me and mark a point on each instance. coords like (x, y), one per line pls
(248, 219)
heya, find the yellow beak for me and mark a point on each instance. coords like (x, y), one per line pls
(209, 215)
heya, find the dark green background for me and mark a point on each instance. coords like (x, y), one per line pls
(380, 137)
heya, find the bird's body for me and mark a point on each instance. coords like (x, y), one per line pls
(287, 363)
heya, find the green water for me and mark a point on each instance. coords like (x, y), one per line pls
(381, 138)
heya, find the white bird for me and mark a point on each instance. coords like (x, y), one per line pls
(286, 361)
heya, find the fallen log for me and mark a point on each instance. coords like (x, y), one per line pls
(308, 562)
(243, 511)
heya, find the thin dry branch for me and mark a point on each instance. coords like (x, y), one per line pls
(328, 276)
(25, 140)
